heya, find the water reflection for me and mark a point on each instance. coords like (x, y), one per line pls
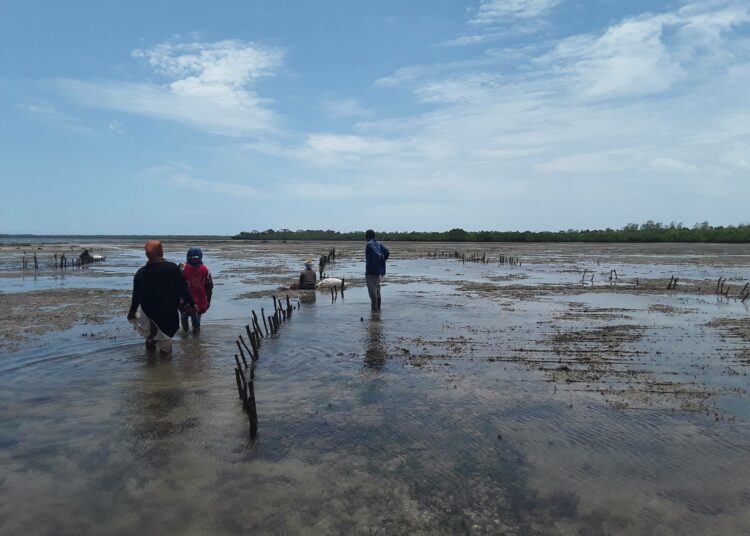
(307, 296)
(375, 352)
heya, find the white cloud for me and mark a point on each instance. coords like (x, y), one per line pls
(498, 19)
(226, 188)
(345, 144)
(404, 74)
(737, 156)
(591, 117)
(671, 164)
(50, 114)
(589, 162)
(328, 149)
(703, 26)
(494, 11)
(210, 87)
(495, 33)
(468, 88)
(323, 190)
(345, 108)
(607, 124)
(228, 63)
(634, 57)
(472, 39)
(629, 58)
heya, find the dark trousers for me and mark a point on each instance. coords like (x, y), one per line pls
(373, 289)
(195, 317)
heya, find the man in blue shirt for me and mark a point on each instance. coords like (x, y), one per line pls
(375, 256)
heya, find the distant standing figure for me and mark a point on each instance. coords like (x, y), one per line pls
(201, 287)
(157, 288)
(307, 277)
(375, 256)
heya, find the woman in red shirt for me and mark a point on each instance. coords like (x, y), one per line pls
(200, 285)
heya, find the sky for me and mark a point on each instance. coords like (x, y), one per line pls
(187, 117)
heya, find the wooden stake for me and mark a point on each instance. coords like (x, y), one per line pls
(252, 410)
(255, 321)
(257, 330)
(244, 380)
(254, 353)
(240, 386)
(249, 352)
(242, 354)
(263, 316)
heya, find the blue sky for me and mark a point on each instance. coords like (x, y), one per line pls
(194, 117)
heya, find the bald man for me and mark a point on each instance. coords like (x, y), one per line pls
(157, 288)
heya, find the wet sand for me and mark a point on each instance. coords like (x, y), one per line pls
(483, 399)
(27, 315)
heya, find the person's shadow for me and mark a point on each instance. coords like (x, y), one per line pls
(375, 353)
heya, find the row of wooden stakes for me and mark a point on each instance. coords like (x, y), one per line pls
(744, 293)
(612, 276)
(59, 263)
(471, 257)
(244, 371)
(325, 260)
(672, 284)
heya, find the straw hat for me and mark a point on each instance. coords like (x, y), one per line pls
(308, 261)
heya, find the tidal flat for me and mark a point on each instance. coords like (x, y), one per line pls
(573, 393)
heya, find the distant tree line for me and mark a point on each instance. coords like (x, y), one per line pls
(646, 232)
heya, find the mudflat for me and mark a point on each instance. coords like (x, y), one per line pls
(587, 388)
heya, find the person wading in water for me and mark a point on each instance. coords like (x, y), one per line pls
(375, 256)
(201, 286)
(157, 289)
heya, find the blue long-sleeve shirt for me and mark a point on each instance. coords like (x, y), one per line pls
(375, 256)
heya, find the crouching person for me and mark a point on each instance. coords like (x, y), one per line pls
(307, 277)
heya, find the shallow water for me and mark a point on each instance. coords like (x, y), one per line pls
(436, 416)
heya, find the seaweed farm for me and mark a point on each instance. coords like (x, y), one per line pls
(503, 389)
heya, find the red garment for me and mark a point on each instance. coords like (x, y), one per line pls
(198, 279)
